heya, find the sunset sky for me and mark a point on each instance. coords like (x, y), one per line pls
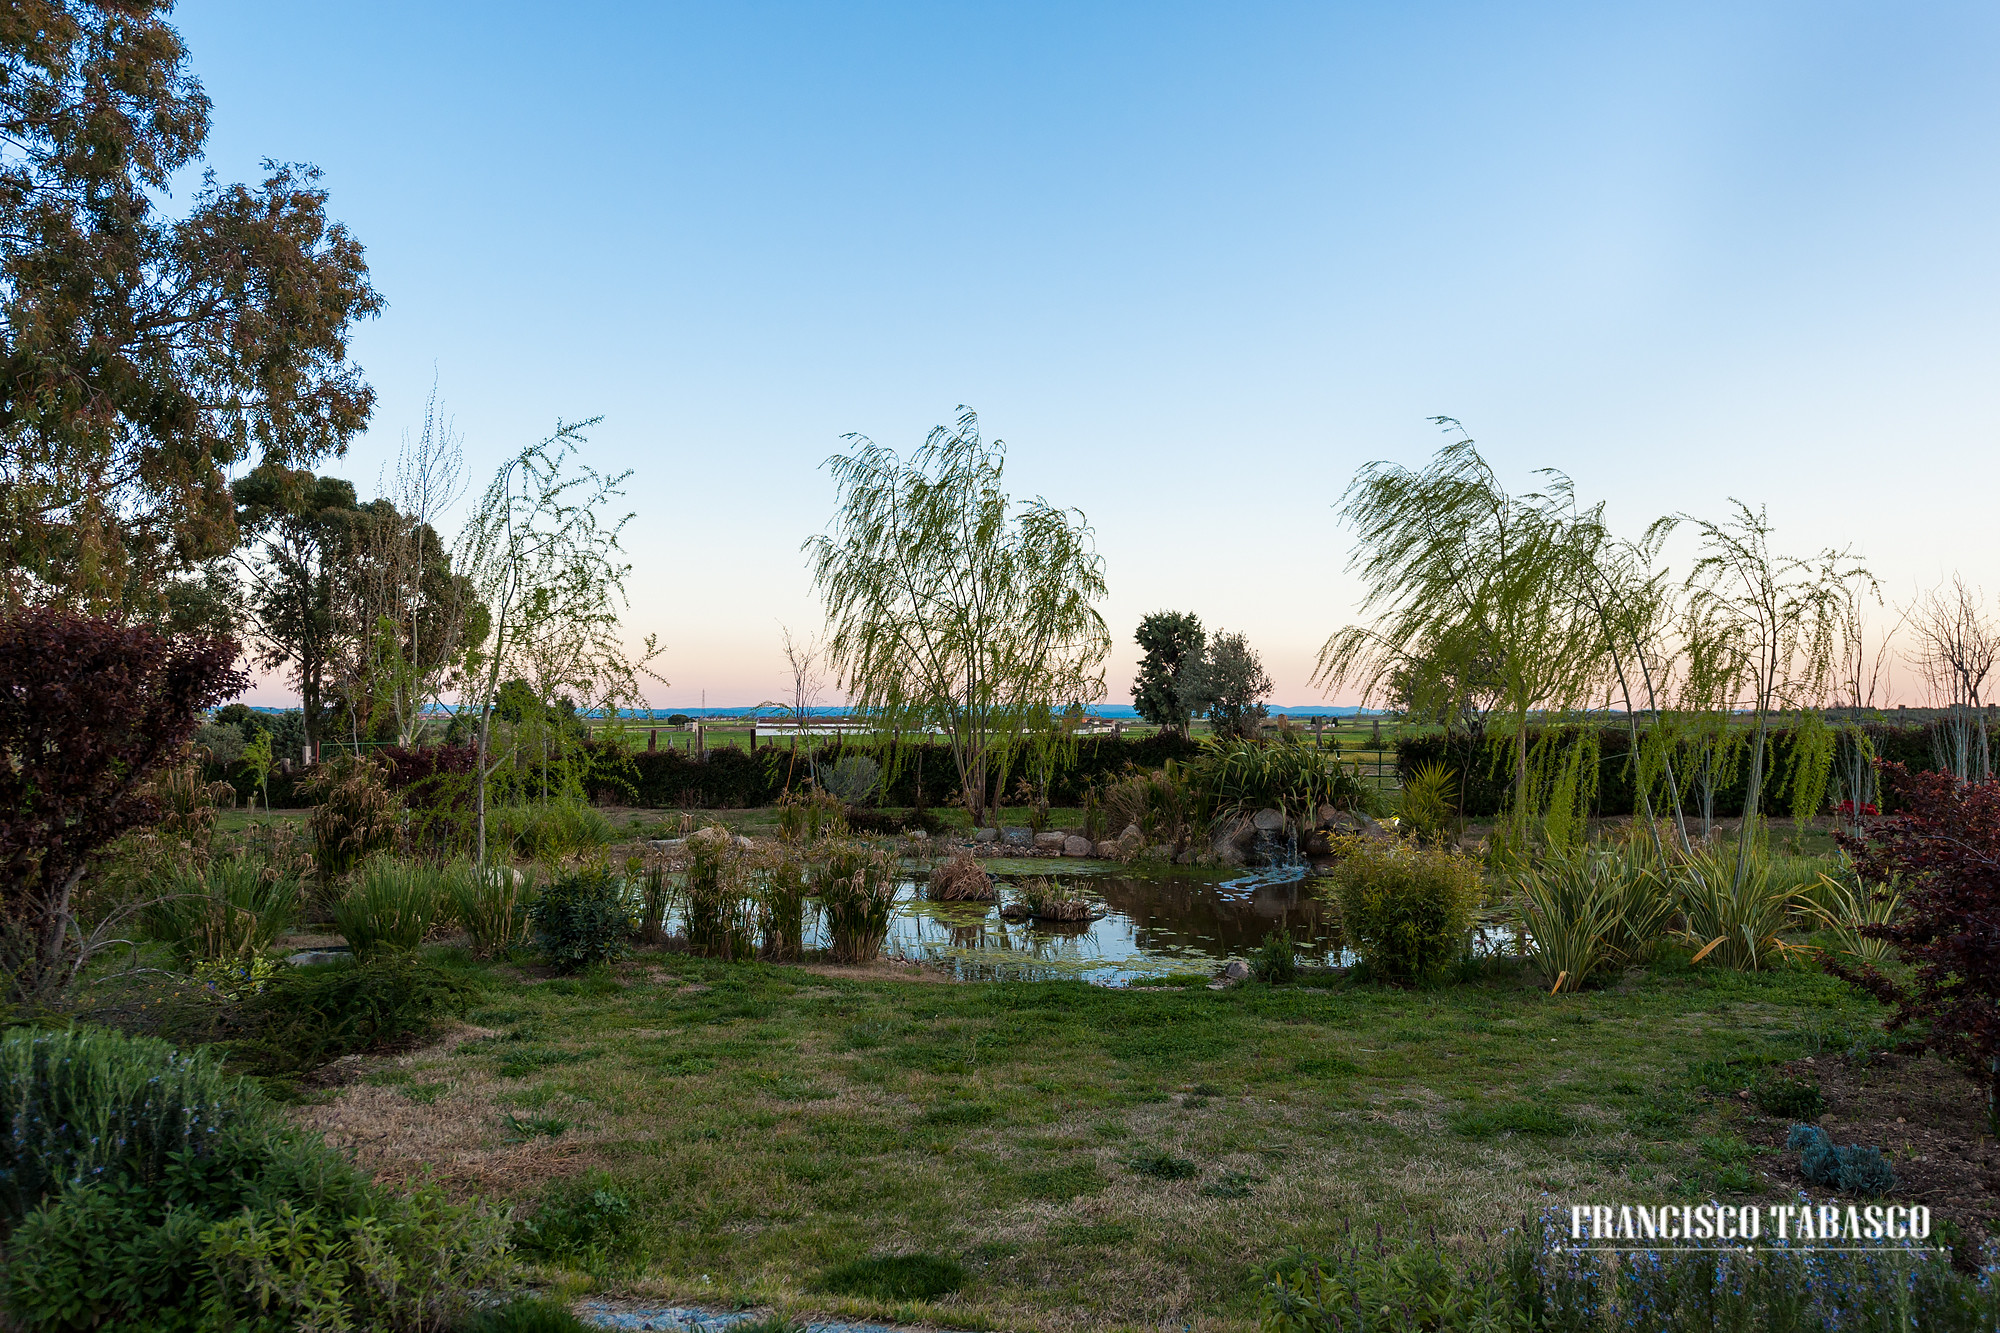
(1195, 264)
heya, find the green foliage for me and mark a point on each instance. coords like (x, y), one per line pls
(1734, 906)
(307, 1016)
(720, 923)
(1429, 804)
(231, 909)
(1406, 910)
(355, 814)
(84, 1101)
(1228, 686)
(896, 1277)
(1172, 644)
(1845, 907)
(1162, 803)
(581, 918)
(490, 902)
(1237, 777)
(167, 1197)
(1276, 960)
(528, 1314)
(1850, 1170)
(585, 1221)
(1587, 908)
(856, 888)
(807, 816)
(781, 907)
(1045, 899)
(392, 904)
(550, 831)
(1384, 1283)
(852, 780)
(1159, 1165)
(1787, 1097)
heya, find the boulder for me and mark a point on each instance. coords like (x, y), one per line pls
(1075, 846)
(919, 835)
(744, 844)
(1110, 851)
(710, 834)
(1232, 844)
(1050, 842)
(1131, 833)
(1238, 970)
(666, 844)
(1325, 816)
(1017, 837)
(986, 835)
(1269, 821)
(1186, 858)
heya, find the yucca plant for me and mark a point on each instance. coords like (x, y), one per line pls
(490, 903)
(856, 888)
(1733, 918)
(1845, 905)
(391, 904)
(231, 910)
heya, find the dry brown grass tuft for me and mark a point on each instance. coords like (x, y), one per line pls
(960, 880)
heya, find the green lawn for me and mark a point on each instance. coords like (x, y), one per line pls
(766, 1124)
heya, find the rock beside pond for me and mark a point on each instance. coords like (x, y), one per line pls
(1238, 970)
(1132, 833)
(1109, 850)
(1017, 837)
(1268, 821)
(1050, 842)
(986, 835)
(1075, 846)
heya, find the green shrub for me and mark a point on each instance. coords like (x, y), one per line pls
(1406, 910)
(233, 909)
(1731, 921)
(586, 1222)
(1276, 960)
(490, 902)
(581, 919)
(209, 1213)
(1587, 908)
(392, 904)
(896, 1277)
(310, 1015)
(81, 1102)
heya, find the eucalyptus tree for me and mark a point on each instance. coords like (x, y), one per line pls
(1781, 617)
(1471, 580)
(951, 609)
(544, 557)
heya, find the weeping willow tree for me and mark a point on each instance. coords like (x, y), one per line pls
(1782, 618)
(951, 610)
(1472, 582)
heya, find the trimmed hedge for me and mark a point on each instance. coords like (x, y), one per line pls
(1485, 776)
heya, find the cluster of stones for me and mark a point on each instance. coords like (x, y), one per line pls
(1027, 842)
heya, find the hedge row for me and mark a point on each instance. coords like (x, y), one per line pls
(1484, 771)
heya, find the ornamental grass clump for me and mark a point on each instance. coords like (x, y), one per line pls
(1587, 908)
(856, 888)
(781, 907)
(1048, 900)
(391, 904)
(720, 913)
(1406, 910)
(960, 880)
(1734, 906)
(1845, 908)
(231, 910)
(490, 903)
(356, 815)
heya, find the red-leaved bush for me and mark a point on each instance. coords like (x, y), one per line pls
(90, 709)
(1944, 850)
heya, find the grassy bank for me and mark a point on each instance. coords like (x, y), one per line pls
(1093, 1158)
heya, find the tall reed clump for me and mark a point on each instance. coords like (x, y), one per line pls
(1048, 900)
(959, 880)
(490, 903)
(807, 816)
(391, 904)
(720, 920)
(232, 909)
(356, 815)
(856, 888)
(1731, 920)
(1407, 910)
(1587, 908)
(656, 895)
(781, 906)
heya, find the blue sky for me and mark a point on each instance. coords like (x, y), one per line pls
(1194, 263)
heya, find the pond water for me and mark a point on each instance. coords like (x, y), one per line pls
(1162, 923)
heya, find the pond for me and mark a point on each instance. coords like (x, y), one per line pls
(1164, 923)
